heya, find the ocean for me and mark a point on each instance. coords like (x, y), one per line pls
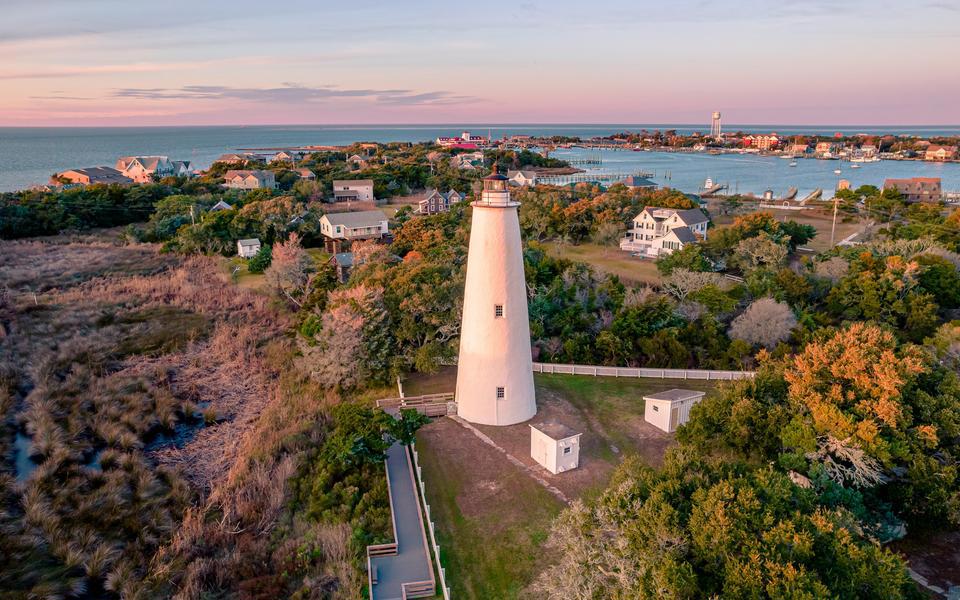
(29, 155)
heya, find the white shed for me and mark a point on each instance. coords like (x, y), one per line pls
(248, 248)
(670, 409)
(555, 446)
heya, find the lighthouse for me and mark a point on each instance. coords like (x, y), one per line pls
(495, 368)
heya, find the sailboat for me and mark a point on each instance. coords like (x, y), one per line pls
(793, 163)
(854, 166)
(837, 171)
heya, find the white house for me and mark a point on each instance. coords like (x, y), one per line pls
(346, 190)
(248, 248)
(659, 231)
(141, 169)
(338, 228)
(523, 177)
(670, 409)
(555, 446)
(437, 202)
(249, 180)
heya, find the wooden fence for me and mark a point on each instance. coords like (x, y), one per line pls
(433, 534)
(388, 549)
(601, 371)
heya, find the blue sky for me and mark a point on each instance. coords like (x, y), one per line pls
(113, 62)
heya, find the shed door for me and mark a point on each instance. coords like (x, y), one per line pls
(674, 417)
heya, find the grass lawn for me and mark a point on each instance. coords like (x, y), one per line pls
(609, 260)
(491, 517)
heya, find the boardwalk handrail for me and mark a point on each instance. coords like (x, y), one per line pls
(388, 549)
(607, 371)
(419, 589)
(433, 533)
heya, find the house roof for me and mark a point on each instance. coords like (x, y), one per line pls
(635, 181)
(690, 216)
(363, 218)
(674, 395)
(101, 174)
(683, 234)
(554, 430)
(249, 242)
(221, 205)
(343, 259)
(350, 182)
(525, 173)
(246, 173)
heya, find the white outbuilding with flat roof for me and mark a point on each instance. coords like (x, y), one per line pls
(670, 409)
(555, 446)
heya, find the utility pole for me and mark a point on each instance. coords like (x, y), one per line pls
(833, 227)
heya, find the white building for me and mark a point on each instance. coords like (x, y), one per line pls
(659, 231)
(248, 248)
(363, 225)
(523, 177)
(347, 190)
(495, 367)
(670, 409)
(555, 446)
(249, 180)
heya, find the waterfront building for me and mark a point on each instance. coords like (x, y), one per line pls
(635, 181)
(762, 142)
(940, 153)
(464, 140)
(90, 176)
(495, 366)
(658, 231)
(917, 189)
(142, 169)
(244, 179)
(351, 190)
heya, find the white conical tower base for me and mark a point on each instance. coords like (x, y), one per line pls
(495, 355)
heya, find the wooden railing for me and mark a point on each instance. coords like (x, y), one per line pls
(604, 371)
(430, 526)
(431, 405)
(388, 549)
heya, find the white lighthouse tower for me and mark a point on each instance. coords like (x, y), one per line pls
(495, 372)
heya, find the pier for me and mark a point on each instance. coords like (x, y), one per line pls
(575, 178)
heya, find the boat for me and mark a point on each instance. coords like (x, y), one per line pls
(837, 171)
(792, 164)
(854, 166)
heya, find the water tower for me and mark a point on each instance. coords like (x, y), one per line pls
(715, 127)
(495, 369)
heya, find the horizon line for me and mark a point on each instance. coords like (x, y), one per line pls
(493, 124)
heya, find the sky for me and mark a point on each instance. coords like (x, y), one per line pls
(243, 62)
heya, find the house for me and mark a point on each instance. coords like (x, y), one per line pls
(343, 261)
(249, 180)
(238, 159)
(940, 153)
(290, 156)
(797, 149)
(762, 142)
(142, 169)
(248, 248)
(522, 177)
(305, 174)
(221, 205)
(635, 181)
(467, 161)
(357, 161)
(346, 190)
(659, 231)
(917, 189)
(91, 176)
(670, 409)
(341, 228)
(555, 446)
(465, 140)
(437, 202)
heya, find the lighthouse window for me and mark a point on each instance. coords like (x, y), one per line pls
(500, 393)
(498, 311)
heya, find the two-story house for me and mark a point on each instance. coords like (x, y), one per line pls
(435, 201)
(352, 190)
(522, 177)
(917, 189)
(339, 229)
(659, 231)
(249, 180)
(940, 153)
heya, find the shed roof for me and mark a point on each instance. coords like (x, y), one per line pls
(674, 395)
(249, 242)
(557, 431)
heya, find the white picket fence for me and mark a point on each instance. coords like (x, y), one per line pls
(601, 371)
(430, 526)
